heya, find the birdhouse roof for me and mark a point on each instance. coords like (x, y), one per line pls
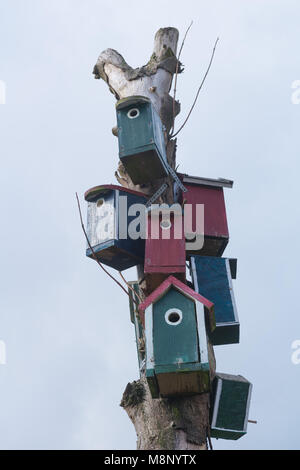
(130, 100)
(200, 181)
(170, 282)
(90, 194)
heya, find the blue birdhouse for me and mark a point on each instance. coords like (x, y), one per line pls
(142, 147)
(231, 397)
(212, 278)
(108, 223)
(175, 319)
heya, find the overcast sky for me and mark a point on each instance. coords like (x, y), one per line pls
(69, 341)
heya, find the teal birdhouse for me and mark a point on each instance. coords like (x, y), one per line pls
(175, 319)
(141, 139)
(231, 401)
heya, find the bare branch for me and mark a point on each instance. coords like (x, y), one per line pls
(92, 250)
(176, 75)
(199, 89)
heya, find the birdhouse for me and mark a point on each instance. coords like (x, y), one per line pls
(134, 301)
(210, 194)
(109, 217)
(231, 397)
(165, 245)
(175, 319)
(142, 147)
(212, 278)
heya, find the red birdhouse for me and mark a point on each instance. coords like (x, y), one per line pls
(165, 245)
(209, 193)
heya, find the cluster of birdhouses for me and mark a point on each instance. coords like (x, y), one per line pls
(176, 321)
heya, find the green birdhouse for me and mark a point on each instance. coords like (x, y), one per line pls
(175, 319)
(231, 401)
(142, 147)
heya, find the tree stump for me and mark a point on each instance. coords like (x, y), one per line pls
(179, 423)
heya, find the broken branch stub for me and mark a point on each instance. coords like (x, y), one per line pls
(153, 80)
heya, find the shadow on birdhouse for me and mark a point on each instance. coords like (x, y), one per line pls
(175, 319)
(108, 225)
(212, 278)
(142, 147)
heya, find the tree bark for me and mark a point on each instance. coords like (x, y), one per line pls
(179, 423)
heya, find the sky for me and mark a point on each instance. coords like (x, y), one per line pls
(70, 346)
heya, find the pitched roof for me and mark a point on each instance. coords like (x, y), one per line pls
(172, 281)
(92, 193)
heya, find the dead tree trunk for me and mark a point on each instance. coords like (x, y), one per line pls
(181, 422)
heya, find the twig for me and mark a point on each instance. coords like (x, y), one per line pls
(93, 252)
(199, 89)
(176, 74)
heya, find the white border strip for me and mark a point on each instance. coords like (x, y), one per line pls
(149, 337)
(231, 289)
(194, 274)
(201, 333)
(217, 402)
(116, 208)
(248, 406)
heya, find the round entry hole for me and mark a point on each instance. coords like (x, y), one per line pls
(173, 316)
(100, 202)
(165, 224)
(133, 113)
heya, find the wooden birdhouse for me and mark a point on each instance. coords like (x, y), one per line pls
(212, 278)
(175, 319)
(108, 226)
(208, 192)
(165, 246)
(142, 147)
(230, 406)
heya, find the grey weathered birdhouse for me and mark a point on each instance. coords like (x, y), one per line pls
(108, 224)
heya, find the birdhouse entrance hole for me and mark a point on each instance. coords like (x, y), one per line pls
(166, 224)
(100, 202)
(133, 113)
(173, 316)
